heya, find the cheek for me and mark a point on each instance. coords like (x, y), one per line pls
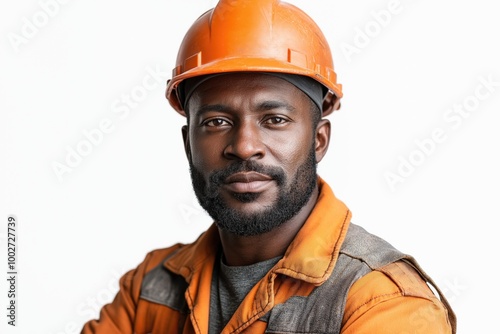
(292, 150)
(205, 152)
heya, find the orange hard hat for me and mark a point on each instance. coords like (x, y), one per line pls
(254, 36)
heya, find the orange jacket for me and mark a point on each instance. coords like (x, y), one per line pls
(394, 299)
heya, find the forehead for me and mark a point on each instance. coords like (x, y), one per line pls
(245, 87)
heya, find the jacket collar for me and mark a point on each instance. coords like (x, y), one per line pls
(313, 253)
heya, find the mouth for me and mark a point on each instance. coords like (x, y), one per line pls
(247, 182)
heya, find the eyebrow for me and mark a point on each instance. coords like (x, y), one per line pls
(263, 106)
(212, 107)
(270, 105)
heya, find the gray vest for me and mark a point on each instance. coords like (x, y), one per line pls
(360, 253)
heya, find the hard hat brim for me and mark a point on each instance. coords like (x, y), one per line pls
(248, 64)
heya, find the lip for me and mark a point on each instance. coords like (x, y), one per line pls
(247, 182)
(247, 177)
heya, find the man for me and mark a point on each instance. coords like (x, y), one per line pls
(254, 79)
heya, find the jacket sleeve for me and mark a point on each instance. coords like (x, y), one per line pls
(119, 316)
(395, 300)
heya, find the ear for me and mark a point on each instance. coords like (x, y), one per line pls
(330, 104)
(185, 138)
(322, 139)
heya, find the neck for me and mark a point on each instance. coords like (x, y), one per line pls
(246, 250)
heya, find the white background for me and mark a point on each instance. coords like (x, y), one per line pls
(65, 69)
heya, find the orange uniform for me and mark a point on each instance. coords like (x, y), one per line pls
(391, 299)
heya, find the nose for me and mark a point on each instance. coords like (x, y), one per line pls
(245, 142)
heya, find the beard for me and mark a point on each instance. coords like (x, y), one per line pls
(293, 194)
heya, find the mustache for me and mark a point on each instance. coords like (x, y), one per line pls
(218, 177)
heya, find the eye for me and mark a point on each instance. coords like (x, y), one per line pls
(216, 122)
(276, 120)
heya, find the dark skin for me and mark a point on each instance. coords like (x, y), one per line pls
(244, 116)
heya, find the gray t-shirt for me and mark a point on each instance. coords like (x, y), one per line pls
(230, 285)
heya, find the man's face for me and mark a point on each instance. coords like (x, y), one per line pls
(251, 143)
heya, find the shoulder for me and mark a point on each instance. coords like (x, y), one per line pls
(394, 298)
(133, 279)
(157, 256)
